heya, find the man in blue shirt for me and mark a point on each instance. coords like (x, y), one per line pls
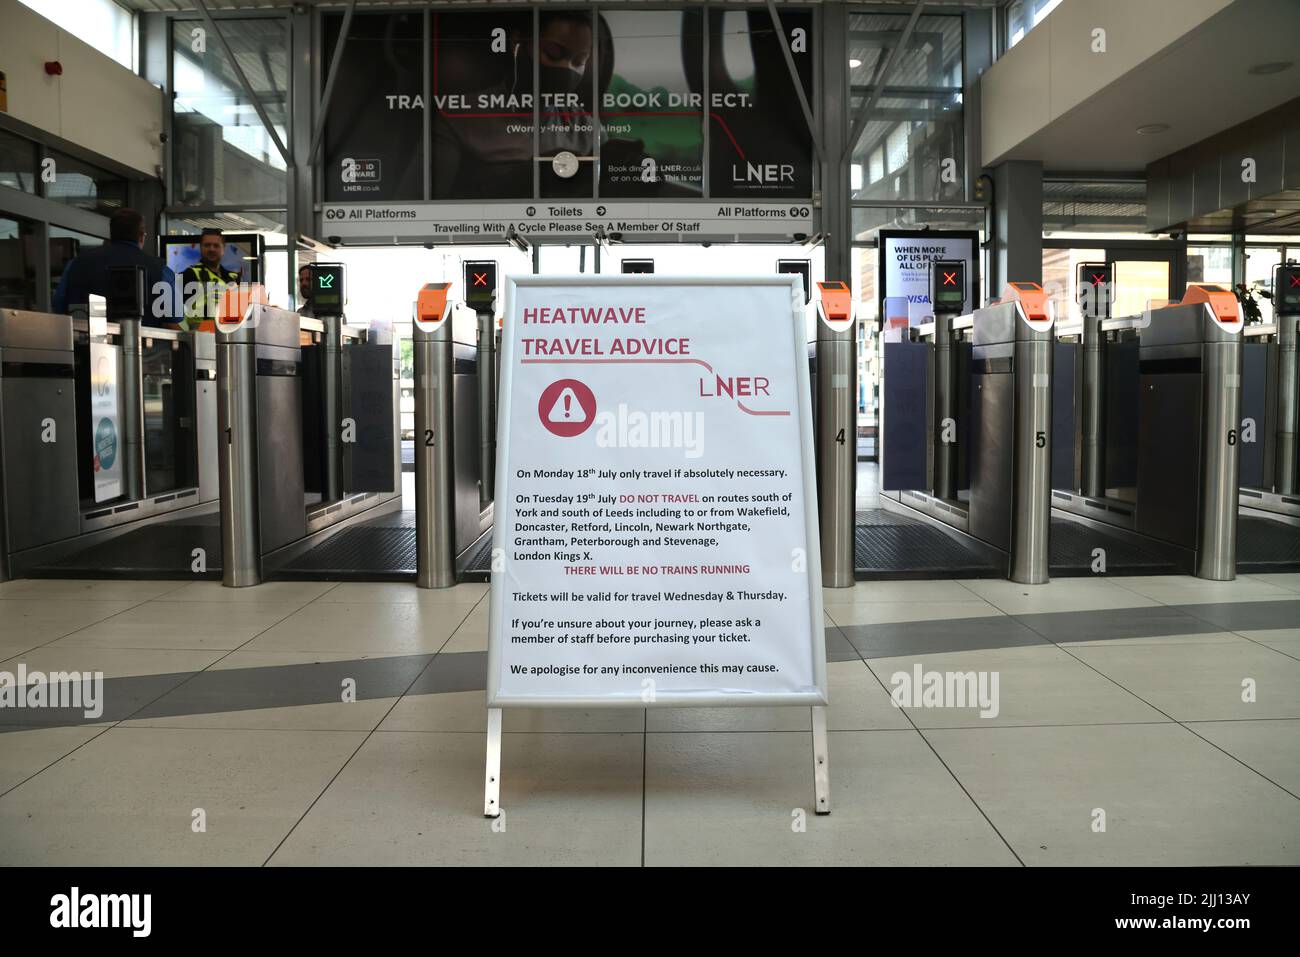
(87, 274)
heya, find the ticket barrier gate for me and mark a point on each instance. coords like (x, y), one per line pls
(131, 436)
(1004, 444)
(278, 425)
(1174, 479)
(834, 358)
(1270, 406)
(452, 519)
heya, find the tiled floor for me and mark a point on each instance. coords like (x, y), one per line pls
(1138, 721)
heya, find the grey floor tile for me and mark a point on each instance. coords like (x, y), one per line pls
(24, 751)
(128, 797)
(1106, 624)
(1169, 798)
(287, 691)
(1035, 685)
(735, 799)
(1204, 682)
(1270, 747)
(933, 637)
(567, 799)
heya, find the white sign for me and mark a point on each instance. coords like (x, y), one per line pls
(106, 436)
(560, 219)
(656, 508)
(906, 265)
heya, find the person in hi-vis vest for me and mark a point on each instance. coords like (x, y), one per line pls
(204, 283)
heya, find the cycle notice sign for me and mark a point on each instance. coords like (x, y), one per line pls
(656, 516)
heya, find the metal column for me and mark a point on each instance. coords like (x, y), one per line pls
(1284, 481)
(241, 529)
(487, 406)
(1216, 547)
(1031, 501)
(332, 380)
(434, 518)
(837, 432)
(132, 410)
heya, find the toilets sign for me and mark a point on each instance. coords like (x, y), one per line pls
(656, 516)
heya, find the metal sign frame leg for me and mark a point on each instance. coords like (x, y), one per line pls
(492, 777)
(820, 747)
(821, 761)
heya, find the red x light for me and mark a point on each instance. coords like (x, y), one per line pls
(480, 279)
(1098, 278)
(950, 279)
(1295, 281)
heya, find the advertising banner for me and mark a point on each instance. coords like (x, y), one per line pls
(759, 144)
(374, 138)
(652, 134)
(656, 535)
(525, 105)
(905, 258)
(105, 433)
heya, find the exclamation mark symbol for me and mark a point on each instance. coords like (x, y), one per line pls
(568, 401)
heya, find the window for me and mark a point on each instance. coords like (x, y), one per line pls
(106, 26)
(913, 143)
(1024, 15)
(223, 154)
(17, 162)
(84, 186)
(17, 272)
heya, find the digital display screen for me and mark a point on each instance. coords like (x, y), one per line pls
(1288, 289)
(242, 254)
(638, 266)
(481, 285)
(327, 289)
(948, 285)
(1030, 286)
(798, 267)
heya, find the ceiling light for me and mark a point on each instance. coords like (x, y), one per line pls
(1273, 66)
(854, 63)
(1152, 128)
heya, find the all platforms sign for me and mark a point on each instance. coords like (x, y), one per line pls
(477, 223)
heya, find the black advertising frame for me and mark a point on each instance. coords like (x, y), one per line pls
(882, 245)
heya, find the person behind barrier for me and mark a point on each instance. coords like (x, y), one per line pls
(304, 291)
(87, 274)
(204, 283)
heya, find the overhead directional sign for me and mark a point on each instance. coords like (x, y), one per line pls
(475, 223)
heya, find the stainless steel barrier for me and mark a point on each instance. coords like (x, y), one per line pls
(1288, 388)
(1011, 366)
(434, 478)
(837, 433)
(38, 433)
(260, 450)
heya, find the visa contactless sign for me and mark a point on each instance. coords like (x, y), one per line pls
(905, 259)
(656, 510)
